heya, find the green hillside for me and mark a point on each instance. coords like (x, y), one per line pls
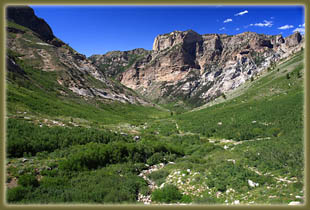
(246, 149)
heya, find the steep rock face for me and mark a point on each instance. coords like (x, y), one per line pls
(34, 44)
(293, 39)
(187, 39)
(197, 68)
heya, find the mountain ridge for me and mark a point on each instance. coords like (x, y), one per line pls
(197, 66)
(31, 41)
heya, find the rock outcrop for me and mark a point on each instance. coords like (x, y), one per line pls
(293, 40)
(24, 16)
(187, 66)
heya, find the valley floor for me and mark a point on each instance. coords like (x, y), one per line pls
(245, 149)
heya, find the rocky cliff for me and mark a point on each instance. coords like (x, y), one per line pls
(31, 41)
(187, 66)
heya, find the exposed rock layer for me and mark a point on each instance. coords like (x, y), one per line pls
(187, 66)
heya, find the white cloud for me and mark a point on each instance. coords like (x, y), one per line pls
(242, 13)
(266, 23)
(301, 30)
(286, 27)
(223, 28)
(271, 18)
(303, 25)
(227, 20)
(237, 29)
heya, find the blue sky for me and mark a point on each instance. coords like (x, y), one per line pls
(99, 29)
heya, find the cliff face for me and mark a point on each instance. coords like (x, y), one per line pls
(33, 43)
(185, 65)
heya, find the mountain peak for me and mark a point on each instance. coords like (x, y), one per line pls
(164, 41)
(25, 16)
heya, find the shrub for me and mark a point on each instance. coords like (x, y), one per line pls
(119, 196)
(158, 176)
(16, 193)
(95, 155)
(28, 180)
(24, 137)
(156, 158)
(186, 199)
(206, 199)
(228, 175)
(145, 190)
(168, 194)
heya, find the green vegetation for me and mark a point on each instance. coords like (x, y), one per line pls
(168, 194)
(229, 175)
(28, 138)
(159, 176)
(94, 155)
(17, 26)
(115, 184)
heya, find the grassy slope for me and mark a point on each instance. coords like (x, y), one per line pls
(270, 115)
(260, 128)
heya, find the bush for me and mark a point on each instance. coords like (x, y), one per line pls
(28, 180)
(186, 199)
(24, 137)
(119, 196)
(228, 175)
(168, 194)
(145, 190)
(95, 155)
(158, 157)
(16, 193)
(158, 176)
(205, 200)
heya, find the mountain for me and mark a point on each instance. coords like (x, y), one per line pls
(188, 67)
(31, 43)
